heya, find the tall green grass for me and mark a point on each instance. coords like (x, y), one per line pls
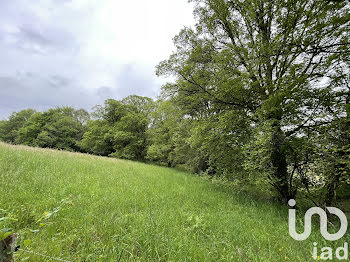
(87, 208)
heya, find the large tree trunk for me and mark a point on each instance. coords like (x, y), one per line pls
(339, 163)
(331, 188)
(280, 177)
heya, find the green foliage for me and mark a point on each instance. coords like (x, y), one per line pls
(268, 62)
(209, 144)
(97, 139)
(260, 95)
(164, 122)
(144, 105)
(27, 134)
(9, 129)
(130, 136)
(59, 128)
(158, 152)
(119, 128)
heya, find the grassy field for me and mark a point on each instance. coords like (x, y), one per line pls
(85, 208)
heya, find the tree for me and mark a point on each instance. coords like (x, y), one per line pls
(144, 105)
(56, 128)
(164, 121)
(97, 139)
(119, 128)
(28, 134)
(271, 62)
(9, 129)
(129, 136)
(335, 138)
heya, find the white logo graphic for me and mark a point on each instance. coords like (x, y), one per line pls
(323, 222)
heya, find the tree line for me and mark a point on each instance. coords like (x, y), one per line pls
(260, 95)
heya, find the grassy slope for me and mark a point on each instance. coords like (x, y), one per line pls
(111, 209)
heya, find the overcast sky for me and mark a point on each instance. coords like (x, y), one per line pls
(81, 52)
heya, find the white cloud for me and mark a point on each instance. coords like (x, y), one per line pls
(97, 48)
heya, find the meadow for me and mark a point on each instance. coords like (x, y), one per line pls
(80, 207)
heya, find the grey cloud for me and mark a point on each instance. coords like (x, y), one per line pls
(58, 81)
(40, 40)
(45, 61)
(29, 34)
(132, 80)
(105, 92)
(29, 90)
(41, 93)
(40, 82)
(27, 30)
